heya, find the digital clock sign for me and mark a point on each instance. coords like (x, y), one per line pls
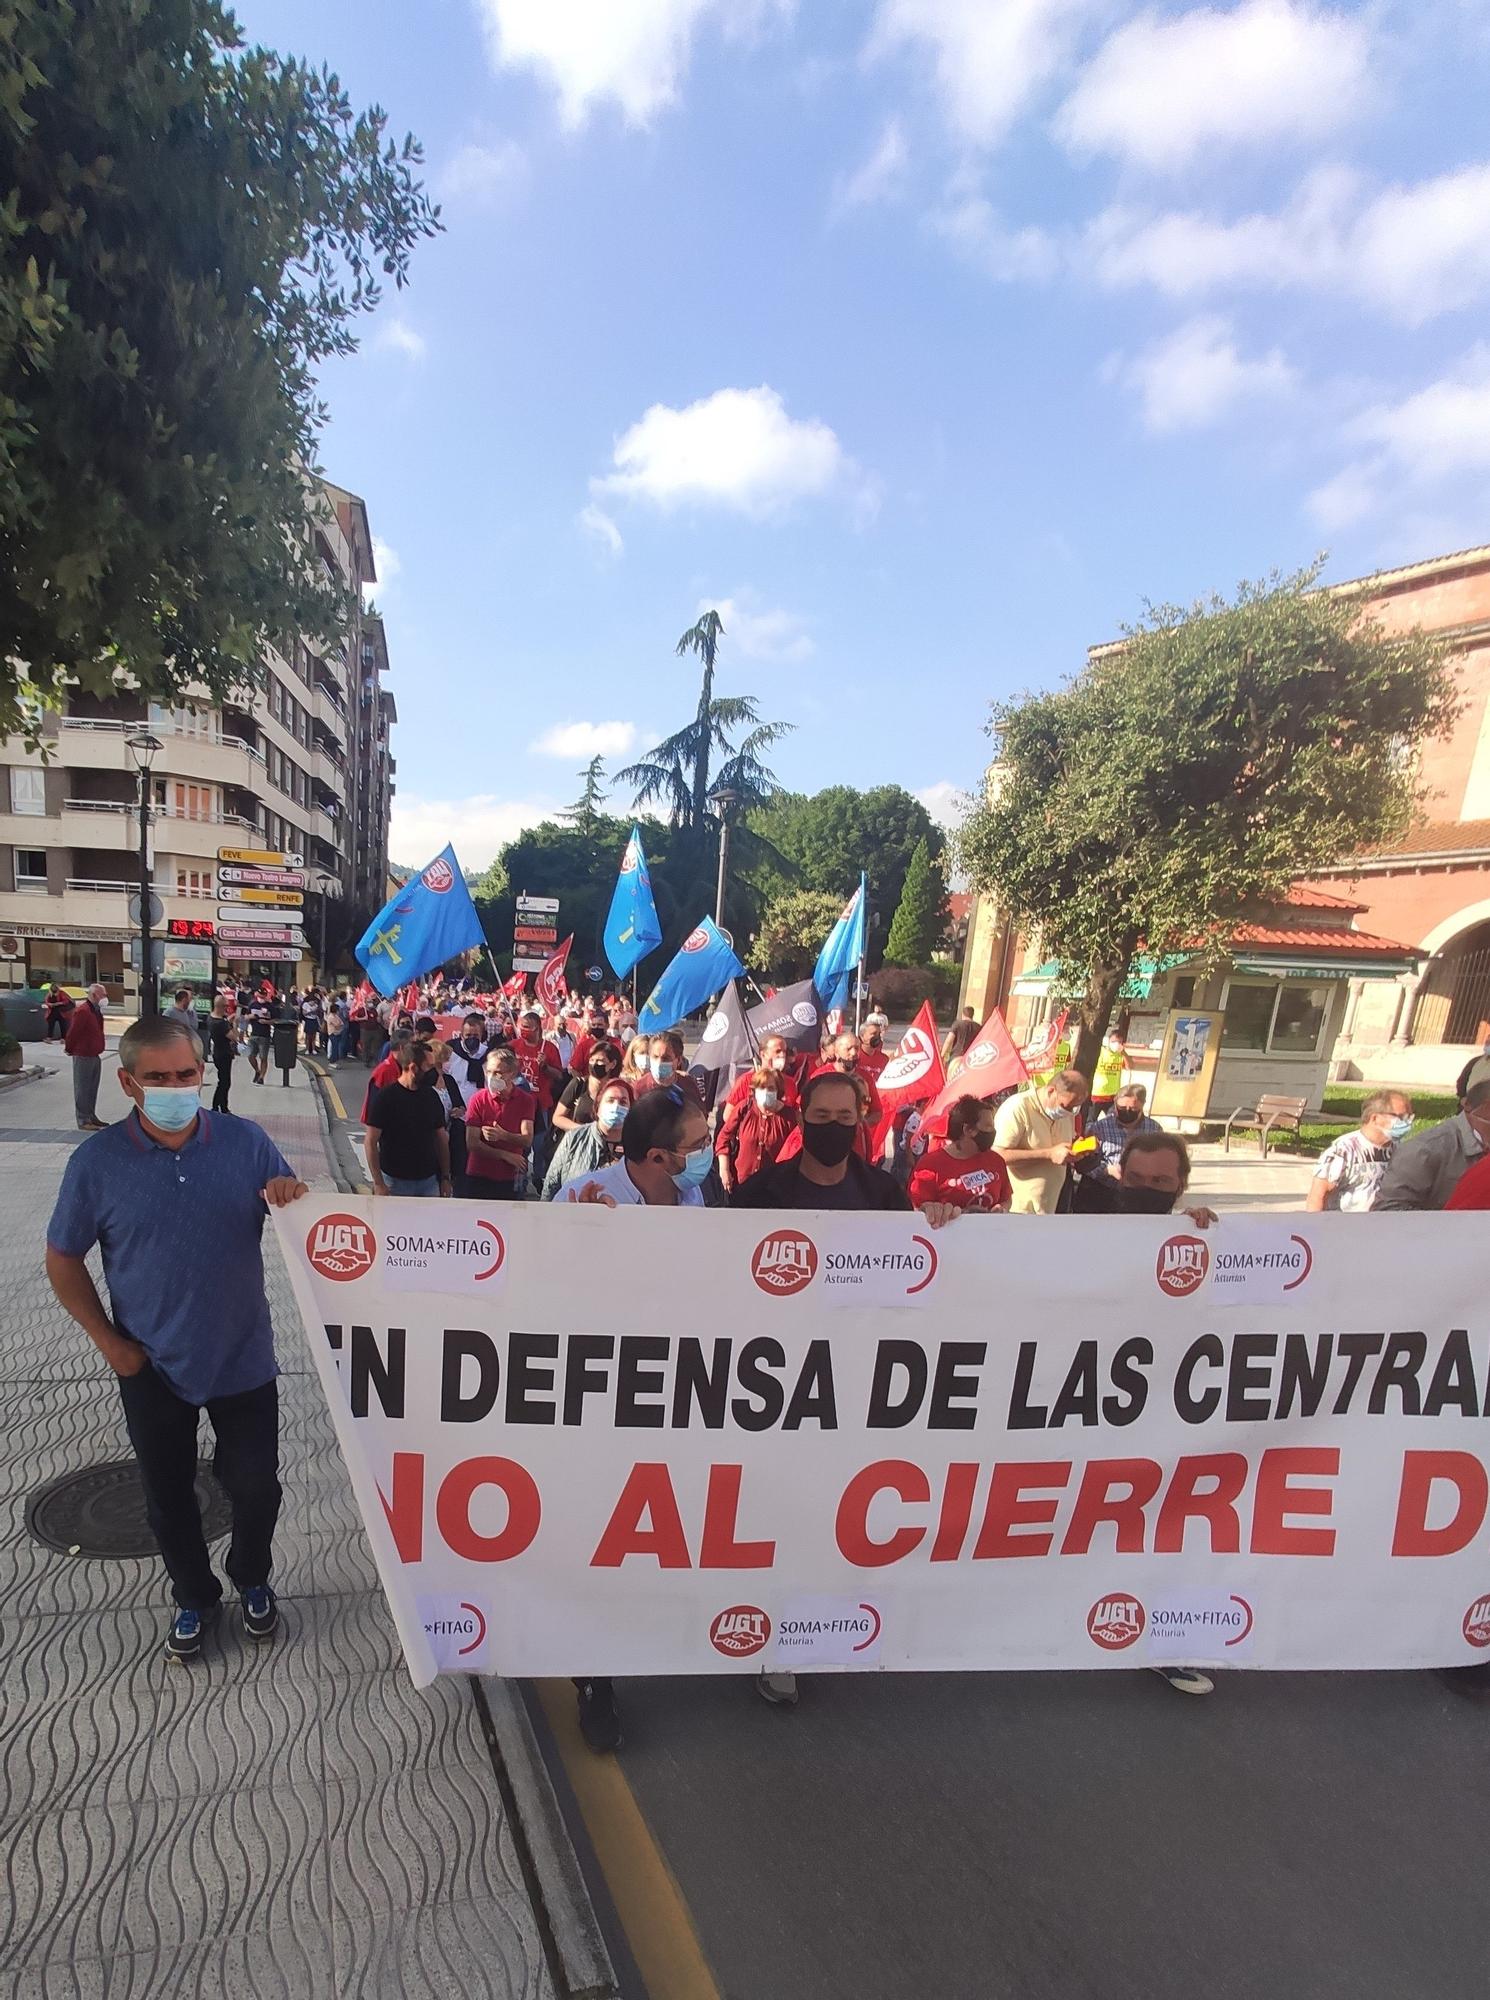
(201, 928)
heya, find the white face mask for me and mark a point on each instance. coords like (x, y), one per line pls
(767, 1100)
(778, 1063)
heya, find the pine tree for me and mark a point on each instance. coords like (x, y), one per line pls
(921, 917)
(588, 807)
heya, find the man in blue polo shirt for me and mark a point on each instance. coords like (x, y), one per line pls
(174, 1198)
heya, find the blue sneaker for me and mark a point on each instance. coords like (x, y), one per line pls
(184, 1640)
(260, 1613)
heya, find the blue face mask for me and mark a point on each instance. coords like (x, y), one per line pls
(1399, 1128)
(612, 1115)
(662, 1069)
(695, 1168)
(170, 1108)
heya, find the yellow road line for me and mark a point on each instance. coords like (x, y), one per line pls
(648, 1901)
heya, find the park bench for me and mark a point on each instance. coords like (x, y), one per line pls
(1269, 1114)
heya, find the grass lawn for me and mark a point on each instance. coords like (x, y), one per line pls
(1342, 1111)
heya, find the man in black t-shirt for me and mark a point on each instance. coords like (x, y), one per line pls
(828, 1172)
(408, 1147)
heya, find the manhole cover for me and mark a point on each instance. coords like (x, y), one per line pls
(100, 1511)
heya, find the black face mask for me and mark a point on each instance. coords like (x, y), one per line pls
(829, 1145)
(1125, 1115)
(1144, 1201)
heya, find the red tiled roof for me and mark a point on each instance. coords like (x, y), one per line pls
(1452, 836)
(1319, 942)
(1301, 897)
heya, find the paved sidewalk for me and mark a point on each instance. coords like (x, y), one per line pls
(1241, 1180)
(293, 1820)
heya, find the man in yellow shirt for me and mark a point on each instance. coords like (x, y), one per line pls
(1034, 1133)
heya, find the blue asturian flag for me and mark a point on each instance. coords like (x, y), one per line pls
(430, 919)
(705, 962)
(842, 950)
(631, 929)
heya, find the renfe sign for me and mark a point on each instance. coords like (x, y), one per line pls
(840, 1441)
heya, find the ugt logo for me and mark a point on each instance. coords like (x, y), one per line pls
(341, 1247)
(1477, 1623)
(1182, 1266)
(784, 1262)
(439, 876)
(742, 1630)
(1115, 1622)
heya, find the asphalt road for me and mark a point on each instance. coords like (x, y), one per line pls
(1074, 1836)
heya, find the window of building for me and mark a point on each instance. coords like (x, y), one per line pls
(1275, 1016)
(1184, 991)
(28, 792)
(31, 870)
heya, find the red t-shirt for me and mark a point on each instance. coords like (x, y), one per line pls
(872, 1063)
(980, 1184)
(510, 1113)
(1473, 1190)
(753, 1138)
(386, 1072)
(542, 1070)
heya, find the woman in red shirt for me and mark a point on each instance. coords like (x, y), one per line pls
(754, 1131)
(965, 1172)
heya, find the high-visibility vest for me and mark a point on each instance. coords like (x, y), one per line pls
(1108, 1080)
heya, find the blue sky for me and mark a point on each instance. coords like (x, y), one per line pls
(928, 338)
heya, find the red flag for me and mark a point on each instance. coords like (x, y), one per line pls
(914, 1072)
(408, 1001)
(992, 1064)
(549, 987)
(1036, 1054)
(515, 985)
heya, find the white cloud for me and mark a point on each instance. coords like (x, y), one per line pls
(990, 56)
(483, 173)
(737, 448)
(947, 803)
(477, 826)
(1409, 252)
(596, 522)
(398, 337)
(387, 565)
(1163, 92)
(761, 634)
(1431, 439)
(1196, 376)
(633, 51)
(584, 740)
(969, 222)
(879, 178)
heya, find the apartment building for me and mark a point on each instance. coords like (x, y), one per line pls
(302, 766)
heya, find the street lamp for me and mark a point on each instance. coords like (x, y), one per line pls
(145, 748)
(724, 802)
(324, 883)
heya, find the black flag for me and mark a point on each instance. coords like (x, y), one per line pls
(728, 1043)
(795, 1013)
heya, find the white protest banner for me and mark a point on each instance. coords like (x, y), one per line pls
(633, 1441)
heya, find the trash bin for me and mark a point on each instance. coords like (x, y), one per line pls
(286, 1035)
(21, 1014)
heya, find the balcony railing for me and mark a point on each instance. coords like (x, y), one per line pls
(102, 723)
(100, 805)
(89, 885)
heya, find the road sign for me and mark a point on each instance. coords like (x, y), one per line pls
(262, 878)
(520, 964)
(526, 934)
(283, 899)
(594, 974)
(245, 913)
(269, 954)
(157, 910)
(549, 903)
(261, 857)
(259, 934)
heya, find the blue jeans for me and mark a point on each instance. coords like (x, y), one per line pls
(426, 1187)
(336, 1049)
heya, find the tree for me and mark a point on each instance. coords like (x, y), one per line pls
(191, 229)
(821, 841)
(1185, 776)
(921, 915)
(792, 930)
(585, 814)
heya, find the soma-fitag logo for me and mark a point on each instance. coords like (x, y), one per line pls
(784, 1262)
(740, 1631)
(1182, 1265)
(342, 1247)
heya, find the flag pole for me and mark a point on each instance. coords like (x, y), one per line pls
(863, 955)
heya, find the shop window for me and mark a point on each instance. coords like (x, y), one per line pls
(1275, 1016)
(31, 870)
(27, 792)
